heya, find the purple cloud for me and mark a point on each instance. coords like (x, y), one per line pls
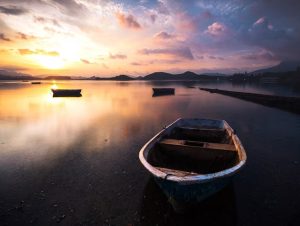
(261, 55)
(183, 52)
(163, 36)
(12, 10)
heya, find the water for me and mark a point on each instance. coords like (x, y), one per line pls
(75, 160)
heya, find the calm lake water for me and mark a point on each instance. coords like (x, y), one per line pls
(75, 160)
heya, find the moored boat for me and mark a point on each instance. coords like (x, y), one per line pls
(36, 83)
(66, 92)
(191, 159)
(163, 91)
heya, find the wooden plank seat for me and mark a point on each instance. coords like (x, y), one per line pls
(179, 173)
(198, 150)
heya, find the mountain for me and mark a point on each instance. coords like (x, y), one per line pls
(122, 78)
(284, 66)
(188, 75)
(115, 78)
(12, 75)
(53, 77)
(158, 76)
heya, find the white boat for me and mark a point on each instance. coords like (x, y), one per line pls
(192, 159)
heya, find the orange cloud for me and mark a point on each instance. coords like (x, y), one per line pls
(128, 21)
(117, 56)
(38, 52)
(85, 61)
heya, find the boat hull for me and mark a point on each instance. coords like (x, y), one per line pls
(183, 196)
(188, 190)
(66, 92)
(163, 91)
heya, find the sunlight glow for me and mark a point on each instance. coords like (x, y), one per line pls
(50, 62)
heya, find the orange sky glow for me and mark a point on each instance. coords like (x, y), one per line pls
(105, 38)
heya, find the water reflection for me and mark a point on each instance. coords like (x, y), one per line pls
(218, 209)
(94, 140)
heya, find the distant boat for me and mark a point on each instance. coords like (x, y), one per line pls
(163, 91)
(192, 159)
(35, 83)
(66, 92)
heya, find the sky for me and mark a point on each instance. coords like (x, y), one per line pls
(106, 38)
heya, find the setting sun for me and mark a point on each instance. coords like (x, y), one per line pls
(50, 62)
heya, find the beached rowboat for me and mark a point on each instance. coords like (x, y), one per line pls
(192, 159)
(66, 92)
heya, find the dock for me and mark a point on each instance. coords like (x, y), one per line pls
(291, 104)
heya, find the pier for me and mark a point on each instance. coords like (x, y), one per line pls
(287, 103)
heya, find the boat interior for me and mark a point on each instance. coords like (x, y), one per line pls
(191, 151)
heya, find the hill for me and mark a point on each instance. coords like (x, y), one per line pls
(284, 66)
(188, 75)
(12, 75)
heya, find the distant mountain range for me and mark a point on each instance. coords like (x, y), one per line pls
(284, 66)
(9, 75)
(115, 78)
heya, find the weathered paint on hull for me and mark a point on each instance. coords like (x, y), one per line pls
(183, 195)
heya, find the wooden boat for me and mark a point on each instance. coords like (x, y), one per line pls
(66, 92)
(192, 159)
(36, 83)
(163, 91)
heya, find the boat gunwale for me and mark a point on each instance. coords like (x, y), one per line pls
(199, 178)
(65, 90)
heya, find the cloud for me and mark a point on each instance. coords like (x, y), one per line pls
(162, 8)
(71, 7)
(153, 17)
(136, 64)
(41, 19)
(38, 52)
(260, 21)
(163, 36)
(117, 56)
(12, 10)
(22, 35)
(183, 52)
(165, 61)
(260, 55)
(85, 61)
(216, 29)
(4, 38)
(25, 36)
(128, 21)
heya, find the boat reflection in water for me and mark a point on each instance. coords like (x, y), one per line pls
(163, 91)
(66, 92)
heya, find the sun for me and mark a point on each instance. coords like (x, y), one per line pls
(50, 62)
